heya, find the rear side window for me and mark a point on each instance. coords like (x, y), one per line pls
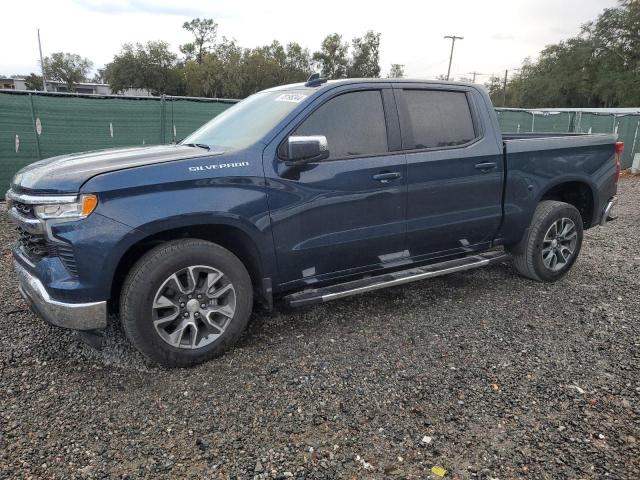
(439, 118)
(352, 122)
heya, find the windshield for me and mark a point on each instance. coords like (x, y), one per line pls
(248, 121)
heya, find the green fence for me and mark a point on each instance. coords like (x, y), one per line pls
(625, 125)
(37, 125)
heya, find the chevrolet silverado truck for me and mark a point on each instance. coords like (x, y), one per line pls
(303, 194)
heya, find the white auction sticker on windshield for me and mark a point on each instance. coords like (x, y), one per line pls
(291, 97)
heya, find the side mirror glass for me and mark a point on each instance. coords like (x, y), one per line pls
(305, 149)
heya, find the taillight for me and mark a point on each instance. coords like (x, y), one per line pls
(619, 150)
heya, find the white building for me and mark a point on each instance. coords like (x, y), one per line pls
(84, 87)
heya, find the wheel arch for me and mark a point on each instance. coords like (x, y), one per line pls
(577, 192)
(232, 237)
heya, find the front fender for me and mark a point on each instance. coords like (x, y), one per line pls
(158, 198)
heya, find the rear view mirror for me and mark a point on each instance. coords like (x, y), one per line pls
(305, 149)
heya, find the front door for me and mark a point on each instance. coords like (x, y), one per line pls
(345, 214)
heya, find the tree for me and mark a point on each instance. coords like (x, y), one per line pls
(33, 82)
(494, 87)
(221, 73)
(365, 61)
(231, 74)
(68, 68)
(298, 63)
(599, 67)
(151, 66)
(99, 76)
(231, 71)
(396, 71)
(332, 57)
(204, 32)
(262, 67)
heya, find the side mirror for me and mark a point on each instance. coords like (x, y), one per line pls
(305, 149)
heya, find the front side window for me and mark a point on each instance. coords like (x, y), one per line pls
(439, 118)
(352, 122)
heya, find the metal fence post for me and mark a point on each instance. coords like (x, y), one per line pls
(173, 125)
(533, 121)
(635, 138)
(579, 129)
(162, 120)
(33, 125)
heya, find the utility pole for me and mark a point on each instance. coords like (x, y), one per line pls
(504, 89)
(474, 75)
(44, 78)
(504, 86)
(453, 44)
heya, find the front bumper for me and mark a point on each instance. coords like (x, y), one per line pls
(609, 213)
(76, 316)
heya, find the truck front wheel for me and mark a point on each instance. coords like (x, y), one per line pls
(185, 302)
(552, 243)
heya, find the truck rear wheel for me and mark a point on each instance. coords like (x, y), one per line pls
(552, 244)
(185, 302)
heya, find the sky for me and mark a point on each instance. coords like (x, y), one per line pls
(498, 34)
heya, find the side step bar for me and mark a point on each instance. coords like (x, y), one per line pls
(369, 284)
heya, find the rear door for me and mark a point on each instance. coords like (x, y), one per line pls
(455, 170)
(345, 214)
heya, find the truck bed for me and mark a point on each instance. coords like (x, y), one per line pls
(534, 162)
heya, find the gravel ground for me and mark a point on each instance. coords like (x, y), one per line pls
(484, 373)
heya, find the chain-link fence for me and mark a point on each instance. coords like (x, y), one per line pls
(624, 124)
(38, 125)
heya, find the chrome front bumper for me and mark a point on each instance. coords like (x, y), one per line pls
(609, 213)
(76, 316)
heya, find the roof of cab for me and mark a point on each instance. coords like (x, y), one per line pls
(350, 81)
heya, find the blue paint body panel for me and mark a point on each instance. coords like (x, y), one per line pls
(324, 221)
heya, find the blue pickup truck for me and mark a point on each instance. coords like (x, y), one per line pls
(302, 193)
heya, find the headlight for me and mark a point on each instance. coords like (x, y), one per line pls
(73, 210)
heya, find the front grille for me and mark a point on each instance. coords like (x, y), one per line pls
(23, 209)
(35, 247)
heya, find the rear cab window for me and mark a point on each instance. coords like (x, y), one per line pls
(437, 119)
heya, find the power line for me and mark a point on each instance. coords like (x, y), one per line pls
(453, 44)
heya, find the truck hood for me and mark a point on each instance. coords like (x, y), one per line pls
(67, 173)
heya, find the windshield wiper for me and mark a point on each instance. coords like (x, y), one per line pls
(199, 145)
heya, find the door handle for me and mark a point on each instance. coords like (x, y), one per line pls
(486, 166)
(386, 177)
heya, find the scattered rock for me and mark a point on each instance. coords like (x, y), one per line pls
(286, 402)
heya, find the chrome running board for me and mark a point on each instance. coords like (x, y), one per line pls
(369, 284)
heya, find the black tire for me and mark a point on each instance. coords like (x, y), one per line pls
(528, 254)
(147, 276)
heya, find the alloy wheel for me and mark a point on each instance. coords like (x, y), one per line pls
(559, 244)
(193, 307)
